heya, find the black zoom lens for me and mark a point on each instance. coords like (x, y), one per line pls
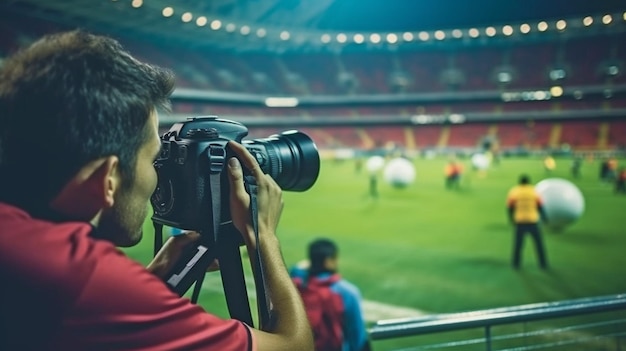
(290, 158)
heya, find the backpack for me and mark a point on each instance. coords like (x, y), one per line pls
(324, 309)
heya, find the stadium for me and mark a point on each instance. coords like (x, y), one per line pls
(428, 82)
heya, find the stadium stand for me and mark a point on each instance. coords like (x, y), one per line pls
(616, 134)
(585, 64)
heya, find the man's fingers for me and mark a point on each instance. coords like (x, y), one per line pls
(246, 158)
(235, 171)
(235, 175)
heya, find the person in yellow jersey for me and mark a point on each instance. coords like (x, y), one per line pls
(525, 211)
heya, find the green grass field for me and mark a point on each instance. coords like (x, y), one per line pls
(437, 250)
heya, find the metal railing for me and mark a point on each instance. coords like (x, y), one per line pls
(609, 324)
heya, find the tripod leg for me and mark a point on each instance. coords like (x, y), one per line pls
(197, 288)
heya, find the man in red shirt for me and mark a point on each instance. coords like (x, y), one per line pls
(78, 140)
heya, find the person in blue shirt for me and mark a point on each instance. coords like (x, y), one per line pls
(323, 265)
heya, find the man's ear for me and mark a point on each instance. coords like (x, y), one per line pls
(108, 173)
(90, 190)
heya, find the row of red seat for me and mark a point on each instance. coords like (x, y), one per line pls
(578, 135)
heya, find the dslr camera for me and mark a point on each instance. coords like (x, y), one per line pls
(190, 168)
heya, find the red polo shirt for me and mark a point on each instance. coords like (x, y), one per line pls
(60, 289)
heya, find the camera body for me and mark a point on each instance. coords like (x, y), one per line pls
(193, 157)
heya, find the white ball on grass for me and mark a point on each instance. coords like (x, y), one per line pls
(374, 164)
(399, 172)
(563, 202)
(480, 161)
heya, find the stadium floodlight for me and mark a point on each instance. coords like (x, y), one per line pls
(375, 38)
(440, 35)
(231, 27)
(261, 32)
(524, 28)
(408, 36)
(137, 3)
(504, 77)
(216, 24)
(556, 91)
(510, 96)
(244, 30)
(281, 102)
(541, 95)
(490, 31)
(342, 38)
(457, 33)
(325, 38)
(587, 21)
(507, 30)
(424, 36)
(474, 33)
(186, 17)
(167, 11)
(557, 73)
(201, 21)
(542, 26)
(561, 25)
(392, 38)
(358, 38)
(456, 118)
(607, 19)
(421, 119)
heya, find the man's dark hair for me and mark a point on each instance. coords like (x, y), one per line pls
(524, 179)
(319, 251)
(66, 100)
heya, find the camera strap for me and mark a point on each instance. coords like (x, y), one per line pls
(228, 253)
(263, 301)
(231, 267)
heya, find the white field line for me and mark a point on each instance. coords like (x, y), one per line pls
(372, 311)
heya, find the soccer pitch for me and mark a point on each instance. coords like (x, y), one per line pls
(426, 248)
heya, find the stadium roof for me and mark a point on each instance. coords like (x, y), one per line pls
(249, 24)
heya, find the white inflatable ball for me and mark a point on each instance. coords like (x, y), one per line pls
(563, 202)
(399, 172)
(480, 161)
(374, 164)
